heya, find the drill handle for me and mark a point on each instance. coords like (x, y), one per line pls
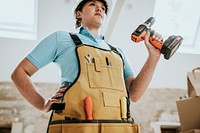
(154, 42)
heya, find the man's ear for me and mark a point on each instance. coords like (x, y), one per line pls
(78, 14)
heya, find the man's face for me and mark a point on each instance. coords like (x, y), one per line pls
(93, 14)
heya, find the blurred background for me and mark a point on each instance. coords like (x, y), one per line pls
(57, 15)
(35, 19)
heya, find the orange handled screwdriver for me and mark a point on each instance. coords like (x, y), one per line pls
(88, 108)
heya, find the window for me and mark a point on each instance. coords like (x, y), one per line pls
(179, 17)
(18, 19)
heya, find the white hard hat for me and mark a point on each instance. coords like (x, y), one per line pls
(108, 2)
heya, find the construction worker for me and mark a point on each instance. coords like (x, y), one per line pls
(89, 68)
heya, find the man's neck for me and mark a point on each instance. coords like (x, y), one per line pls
(94, 32)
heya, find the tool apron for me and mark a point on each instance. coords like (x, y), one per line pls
(101, 78)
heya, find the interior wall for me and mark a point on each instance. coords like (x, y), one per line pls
(54, 15)
(169, 73)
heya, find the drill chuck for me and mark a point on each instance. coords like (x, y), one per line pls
(149, 22)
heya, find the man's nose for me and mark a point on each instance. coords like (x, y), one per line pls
(98, 8)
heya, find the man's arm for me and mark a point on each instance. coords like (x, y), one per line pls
(21, 78)
(138, 85)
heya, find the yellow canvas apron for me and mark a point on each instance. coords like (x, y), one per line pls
(100, 78)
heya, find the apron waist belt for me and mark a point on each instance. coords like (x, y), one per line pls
(91, 121)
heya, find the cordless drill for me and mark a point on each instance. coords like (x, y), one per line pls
(167, 47)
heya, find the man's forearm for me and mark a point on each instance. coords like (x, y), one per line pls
(27, 89)
(141, 82)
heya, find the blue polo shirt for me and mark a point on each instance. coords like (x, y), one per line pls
(58, 47)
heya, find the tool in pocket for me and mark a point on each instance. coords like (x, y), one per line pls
(89, 58)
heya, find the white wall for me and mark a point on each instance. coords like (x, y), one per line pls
(169, 73)
(56, 14)
(52, 15)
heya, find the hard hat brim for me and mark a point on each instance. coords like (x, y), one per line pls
(109, 3)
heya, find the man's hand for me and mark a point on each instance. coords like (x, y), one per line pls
(55, 98)
(153, 51)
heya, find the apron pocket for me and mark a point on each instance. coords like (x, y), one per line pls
(55, 128)
(80, 128)
(94, 126)
(119, 128)
(111, 99)
(109, 77)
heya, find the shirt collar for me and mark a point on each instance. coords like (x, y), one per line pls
(84, 31)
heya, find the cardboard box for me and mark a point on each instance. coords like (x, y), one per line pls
(192, 131)
(189, 113)
(189, 108)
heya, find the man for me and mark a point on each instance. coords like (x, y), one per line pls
(89, 68)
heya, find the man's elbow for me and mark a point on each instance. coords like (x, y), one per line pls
(13, 75)
(134, 98)
(16, 74)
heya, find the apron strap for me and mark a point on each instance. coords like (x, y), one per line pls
(91, 121)
(113, 48)
(76, 39)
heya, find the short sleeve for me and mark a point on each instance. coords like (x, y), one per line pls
(44, 52)
(128, 70)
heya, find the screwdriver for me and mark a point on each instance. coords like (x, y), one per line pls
(88, 108)
(123, 108)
